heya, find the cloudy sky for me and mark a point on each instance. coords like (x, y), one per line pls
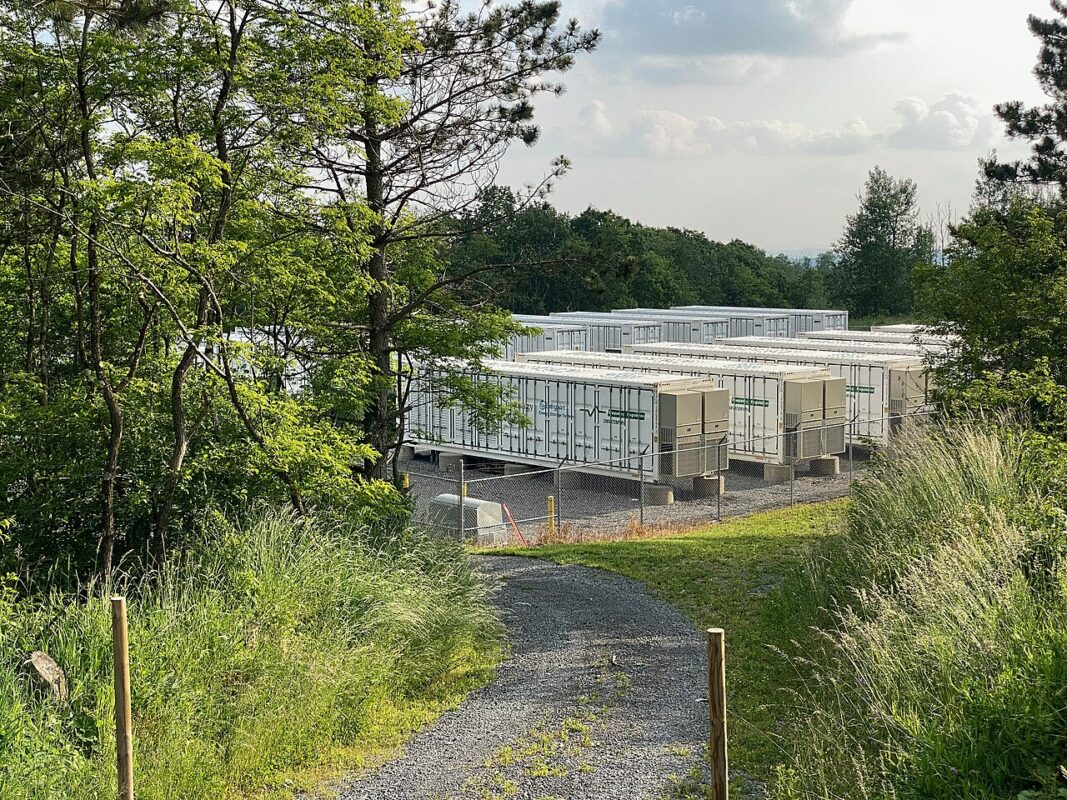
(760, 119)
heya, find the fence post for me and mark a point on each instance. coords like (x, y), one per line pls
(123, 712)
(718, 489)
(850, 427)
(462, 498)
(641, 492)
(551, 514)
(558, 478)
(717, 749)
(792, 480)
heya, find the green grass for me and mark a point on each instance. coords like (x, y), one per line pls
(280, 654)
(728, 576)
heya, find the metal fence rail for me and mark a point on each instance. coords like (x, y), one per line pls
(492, 503)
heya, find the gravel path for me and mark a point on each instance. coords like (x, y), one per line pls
(599, 699)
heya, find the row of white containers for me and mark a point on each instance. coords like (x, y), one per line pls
(606, 410)
(882, 388)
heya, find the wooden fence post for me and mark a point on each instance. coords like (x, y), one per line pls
(720, 780)
(123, 713)
(551, 517)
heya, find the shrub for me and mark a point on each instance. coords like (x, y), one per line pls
(944, 667)
(273, 646)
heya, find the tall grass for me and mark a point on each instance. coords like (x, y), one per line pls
(275, 645)
(944, 667)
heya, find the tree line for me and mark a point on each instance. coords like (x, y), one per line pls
(202, 202)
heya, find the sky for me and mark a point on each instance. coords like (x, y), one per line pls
(759, 120)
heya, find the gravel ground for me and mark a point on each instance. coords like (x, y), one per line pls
(602, 506)
(600, 698)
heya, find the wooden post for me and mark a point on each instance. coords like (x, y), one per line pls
(720, 780)
(123, 713)
(551, 517)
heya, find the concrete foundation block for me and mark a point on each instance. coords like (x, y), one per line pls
(449, 463)
(516, 469)
(709, 486)
(777, 473)
(407, 452)
(656, 494)
(829, 466)
(570, 479)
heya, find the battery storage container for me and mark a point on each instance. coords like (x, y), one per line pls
(801, 320)
(548, 337)
(880, 387)
(610, 420)
(766, 401)
(603, 334)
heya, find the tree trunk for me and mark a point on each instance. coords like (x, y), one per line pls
(378, 423)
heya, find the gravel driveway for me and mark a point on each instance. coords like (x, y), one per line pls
(599, 699)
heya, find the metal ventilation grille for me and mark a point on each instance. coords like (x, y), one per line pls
(682, 456)
(898, 407)
(791, 419)
(834, 439)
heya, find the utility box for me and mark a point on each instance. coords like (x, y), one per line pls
(803, 401)
(835, 399)
(483, 521)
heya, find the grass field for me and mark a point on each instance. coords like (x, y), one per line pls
(729, 576)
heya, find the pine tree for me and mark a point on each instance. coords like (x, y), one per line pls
(1045, 126)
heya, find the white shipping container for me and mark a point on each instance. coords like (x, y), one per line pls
(671, 329)
(879, 386)
(604, 335)
(801, 320)
(932, 342)
(899, 328)
(763, 398)
(611, 421)
(702, 328)
(549, 337)
(842, 346)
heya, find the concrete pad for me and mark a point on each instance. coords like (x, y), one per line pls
(709, 486)
(829, 466)
(516, 469)
(407, 452)
(657, 494)
(777, 473)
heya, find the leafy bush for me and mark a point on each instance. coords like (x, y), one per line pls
(944, 670)
(274, 646)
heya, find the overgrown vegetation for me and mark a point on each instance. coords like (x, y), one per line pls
(942, 673)
(277, 645)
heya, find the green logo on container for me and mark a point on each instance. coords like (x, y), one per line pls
(859, 389)
(753, 402)
(618, 413)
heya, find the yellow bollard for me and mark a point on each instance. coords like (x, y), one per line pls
(463, 491)
(551, 516)
(405, 482)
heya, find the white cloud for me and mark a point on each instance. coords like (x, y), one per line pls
(593, 119)
(952, 123)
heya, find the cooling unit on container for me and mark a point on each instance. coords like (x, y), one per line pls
(608, 422)
(760, 397)
(801, 320)
(880, 386)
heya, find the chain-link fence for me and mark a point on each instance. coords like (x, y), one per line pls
(491, 503)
